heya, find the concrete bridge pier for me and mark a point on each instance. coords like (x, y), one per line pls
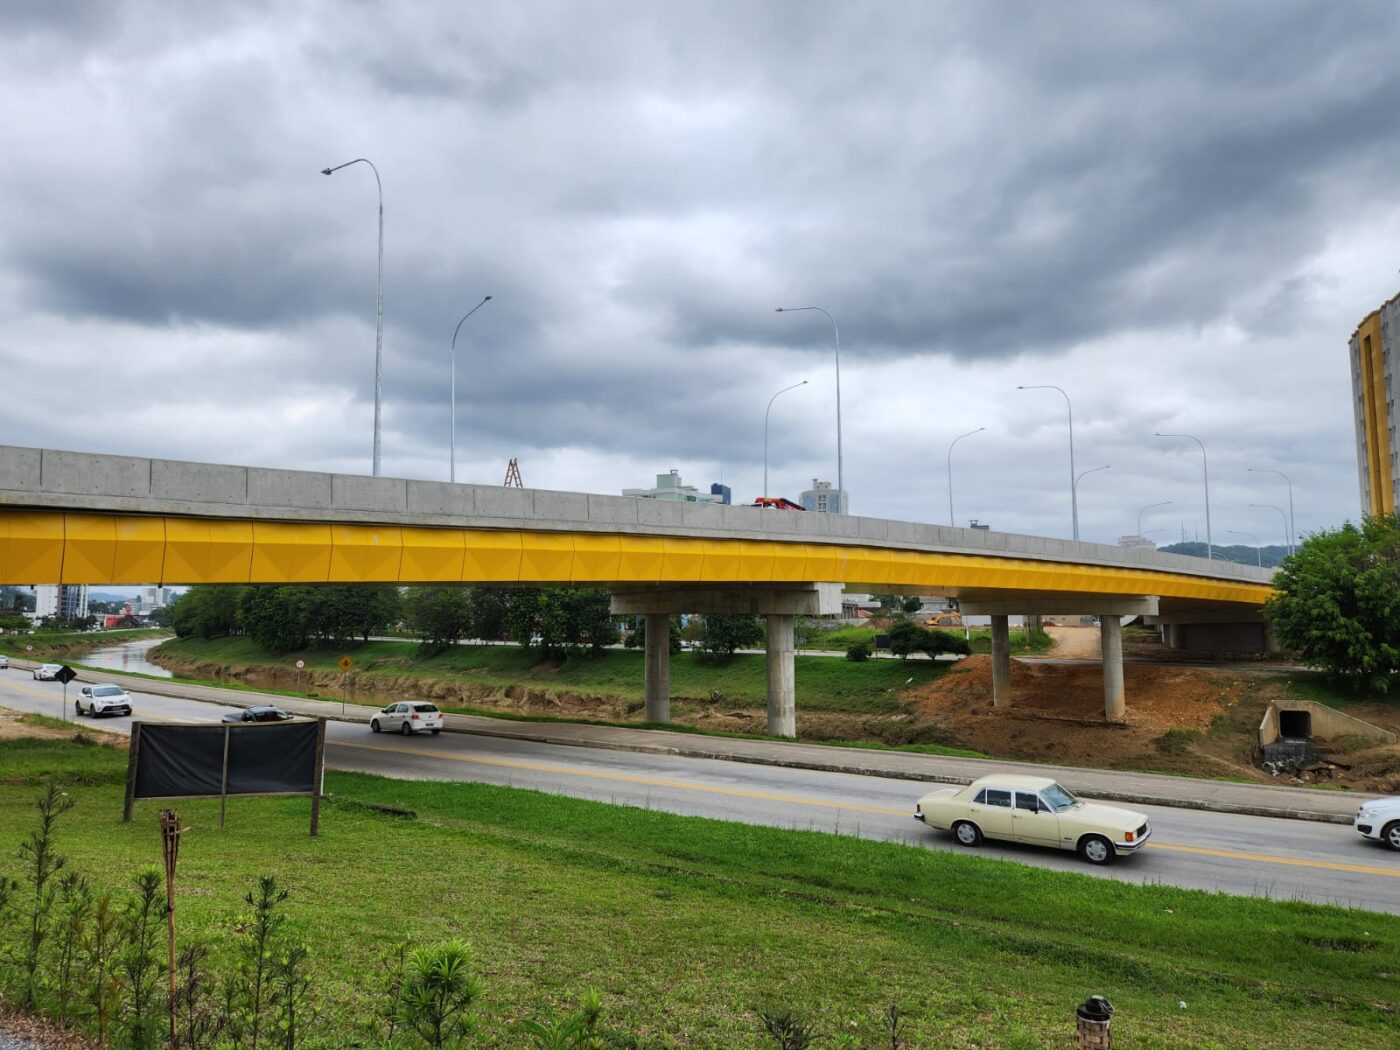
(1111, 644)
(782, 679)
(1001, 660)
(781, 604)
(658, 667)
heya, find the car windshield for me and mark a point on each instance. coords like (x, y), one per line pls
(1059, 799)
(107, 690)
(427, 709)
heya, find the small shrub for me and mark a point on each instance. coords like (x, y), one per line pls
(787, 1030)
(1175, 742)
(438, 992)
(858, 652)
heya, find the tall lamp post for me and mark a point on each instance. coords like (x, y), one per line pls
(955, 440)
(1084, 474)
(452, 468)
(379, 304)
(1270, 506)
(1164, 503)
(1069, 408)
(784, 390)
(1258, 553)
(1205, 475)
(1292, 529)
(836, 332)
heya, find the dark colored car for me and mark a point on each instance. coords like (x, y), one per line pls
(266, 713)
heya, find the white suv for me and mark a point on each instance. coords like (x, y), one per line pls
(1380, 820)
(103, 700)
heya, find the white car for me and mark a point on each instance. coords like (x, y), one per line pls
(1034, 810)
(97, 700)
(47, 672)
(408, 717)
(1380, 820)
(4, 663)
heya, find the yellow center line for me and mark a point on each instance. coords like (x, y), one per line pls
(630, 778)
(798, 800)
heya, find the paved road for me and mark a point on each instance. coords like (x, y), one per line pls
(1234, 853)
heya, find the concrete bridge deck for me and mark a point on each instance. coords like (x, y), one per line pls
(72, 517)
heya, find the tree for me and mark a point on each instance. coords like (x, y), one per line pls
(439, 615)
(556, 619)
(342, 612)
(206, 611)
(637, 637)
(722, 634)
(1336, 602)
(906, 638)
(277, 618)
(487, 609)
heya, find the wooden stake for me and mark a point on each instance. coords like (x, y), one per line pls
(170, 832)
(318, 776)
(133, 757)
(223, 783)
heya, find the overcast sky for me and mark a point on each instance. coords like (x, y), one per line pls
(1178, 213)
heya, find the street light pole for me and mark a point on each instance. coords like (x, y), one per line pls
(1292, 529)
(1164, 503)
(1091, 470)
(1270, 506)
(1258, 553)
(379, 304)
(784, 390)
(1069, 408)
(955, 440)
(452, 454)
(1205, 475)
(840, 475)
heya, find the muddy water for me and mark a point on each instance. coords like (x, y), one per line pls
(129, 656)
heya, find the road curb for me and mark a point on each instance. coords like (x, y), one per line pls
(855, 767)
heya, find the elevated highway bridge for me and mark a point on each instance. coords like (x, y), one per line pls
(71, 517)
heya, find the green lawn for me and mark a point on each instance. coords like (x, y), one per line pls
(71, 643)
(687, 925)
(823, 683)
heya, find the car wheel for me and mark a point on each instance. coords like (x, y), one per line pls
(405, 729)
(374, 725)
(1096, 849)
(967, 833)
(78, 707)
(1390, 834)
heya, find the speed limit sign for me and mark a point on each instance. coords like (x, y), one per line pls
(301, 664)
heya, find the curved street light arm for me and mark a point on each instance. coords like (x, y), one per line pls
(784, 390)
(1205, 475)
(836, 331)
(452, 454)
(955, 440)
(1069, 409)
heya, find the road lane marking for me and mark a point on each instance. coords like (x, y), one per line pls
(628, 778)
(797, 800)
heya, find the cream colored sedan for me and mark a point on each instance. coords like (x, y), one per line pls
(1035, 810)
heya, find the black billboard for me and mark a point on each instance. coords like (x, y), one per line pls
(171, 760)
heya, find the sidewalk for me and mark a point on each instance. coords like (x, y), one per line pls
(1220, 796)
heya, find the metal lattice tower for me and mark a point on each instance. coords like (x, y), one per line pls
(513, 474)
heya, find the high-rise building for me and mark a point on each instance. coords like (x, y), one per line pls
(825, 498)
(1374, 345)
(65, 601)
(670, 489)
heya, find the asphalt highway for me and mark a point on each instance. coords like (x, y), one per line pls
(1247, 855)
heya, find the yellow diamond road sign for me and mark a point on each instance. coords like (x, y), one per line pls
(346, 663)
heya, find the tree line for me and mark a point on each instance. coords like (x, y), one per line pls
(552, 620)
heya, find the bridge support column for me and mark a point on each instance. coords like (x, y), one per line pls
(782, 681)
(1001, 660)
(658, 667)
(1111, 642)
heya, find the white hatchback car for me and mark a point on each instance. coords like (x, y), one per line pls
(46, 672)
(4, 662)
(1380, 820)
(103, 700)
(408, 717)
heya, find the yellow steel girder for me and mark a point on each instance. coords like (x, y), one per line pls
(40, 547)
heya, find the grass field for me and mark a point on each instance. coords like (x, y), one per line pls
(823, 683)
(71, 643)
(688, 925)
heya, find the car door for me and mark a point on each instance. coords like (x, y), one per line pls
(993, 813)
(390, 717)
(1034, 821)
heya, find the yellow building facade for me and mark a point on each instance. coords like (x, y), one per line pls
(1374, 346)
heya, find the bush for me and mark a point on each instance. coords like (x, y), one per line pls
(858, 652)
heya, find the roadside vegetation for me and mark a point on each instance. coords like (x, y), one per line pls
(692, 933)
(72, 644)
